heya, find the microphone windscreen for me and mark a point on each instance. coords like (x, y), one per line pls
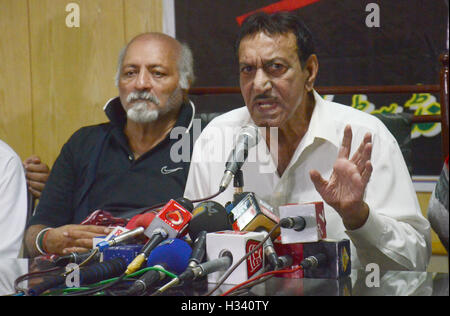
(102, 271)
(173, 254)
(209, 216)
(141, 220)
(186, 203)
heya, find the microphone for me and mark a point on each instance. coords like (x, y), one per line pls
(328, 259)
(199, 250)
(314, 261)
(172, 218)
(170, 222)
(325, 259)
(238, 244)
(285, 261)
(297, 223)
(141, 220)
(75, 257)
(269, 251)
(92, 274)
(121, 238)
(219, 264)
(79, 258)
(253, 214)
(171, 255)
(247, 138)
(208, 216)
(302, 223)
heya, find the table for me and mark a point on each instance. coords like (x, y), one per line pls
(359, 283)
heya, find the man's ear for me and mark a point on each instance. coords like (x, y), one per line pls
(312, 66)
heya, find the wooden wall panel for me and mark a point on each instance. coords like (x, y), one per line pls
(15, 90)
(142, 16)
(55, 79)
(72, 68)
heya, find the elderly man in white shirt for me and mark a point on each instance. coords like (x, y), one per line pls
(13, 202)
(368, 197)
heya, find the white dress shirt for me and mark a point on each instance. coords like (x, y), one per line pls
(396, 236)
(13, 202)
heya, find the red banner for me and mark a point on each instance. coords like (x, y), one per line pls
(285, 5)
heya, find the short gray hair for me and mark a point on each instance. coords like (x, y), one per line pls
(185, 66)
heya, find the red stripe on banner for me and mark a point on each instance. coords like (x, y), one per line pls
(285, 5)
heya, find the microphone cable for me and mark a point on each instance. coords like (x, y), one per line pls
(130, 277)
(310, 262)
(265, 276)
(246, 288)
(156, 206)
(86, 261)
(37, 274)
(207, 198)
(29, 276)
(98, 288)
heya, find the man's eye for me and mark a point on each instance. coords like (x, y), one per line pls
(158, 74)
(246, 69)
(276, 69)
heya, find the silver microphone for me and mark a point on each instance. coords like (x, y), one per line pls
(248, 138)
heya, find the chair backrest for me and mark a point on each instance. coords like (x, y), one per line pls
(399, 124)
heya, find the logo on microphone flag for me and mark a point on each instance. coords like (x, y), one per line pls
(175, 215)
(345, 259)
(255, 261)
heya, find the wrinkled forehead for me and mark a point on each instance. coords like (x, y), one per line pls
(268, 46)
(152, 50)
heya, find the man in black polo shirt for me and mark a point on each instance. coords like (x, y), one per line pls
(126, 164)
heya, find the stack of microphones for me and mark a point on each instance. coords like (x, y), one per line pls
(233, 244)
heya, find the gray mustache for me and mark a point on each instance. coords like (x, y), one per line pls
(144, 96)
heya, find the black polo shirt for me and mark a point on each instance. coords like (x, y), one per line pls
(117, 183)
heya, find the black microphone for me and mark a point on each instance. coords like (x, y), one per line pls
(92, 274)
(208, 216)
(102, 271)
(314, 261)
(199, 250)
(325, 259)
(285, 261)
(76, 257)
(296, 223)
(248, 138)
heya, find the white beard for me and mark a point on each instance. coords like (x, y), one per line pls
(140, 113)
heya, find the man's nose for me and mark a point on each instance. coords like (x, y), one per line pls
(144, 80)
(261, 82)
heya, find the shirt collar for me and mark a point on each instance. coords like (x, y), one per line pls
(322, 124)
(118, 117)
